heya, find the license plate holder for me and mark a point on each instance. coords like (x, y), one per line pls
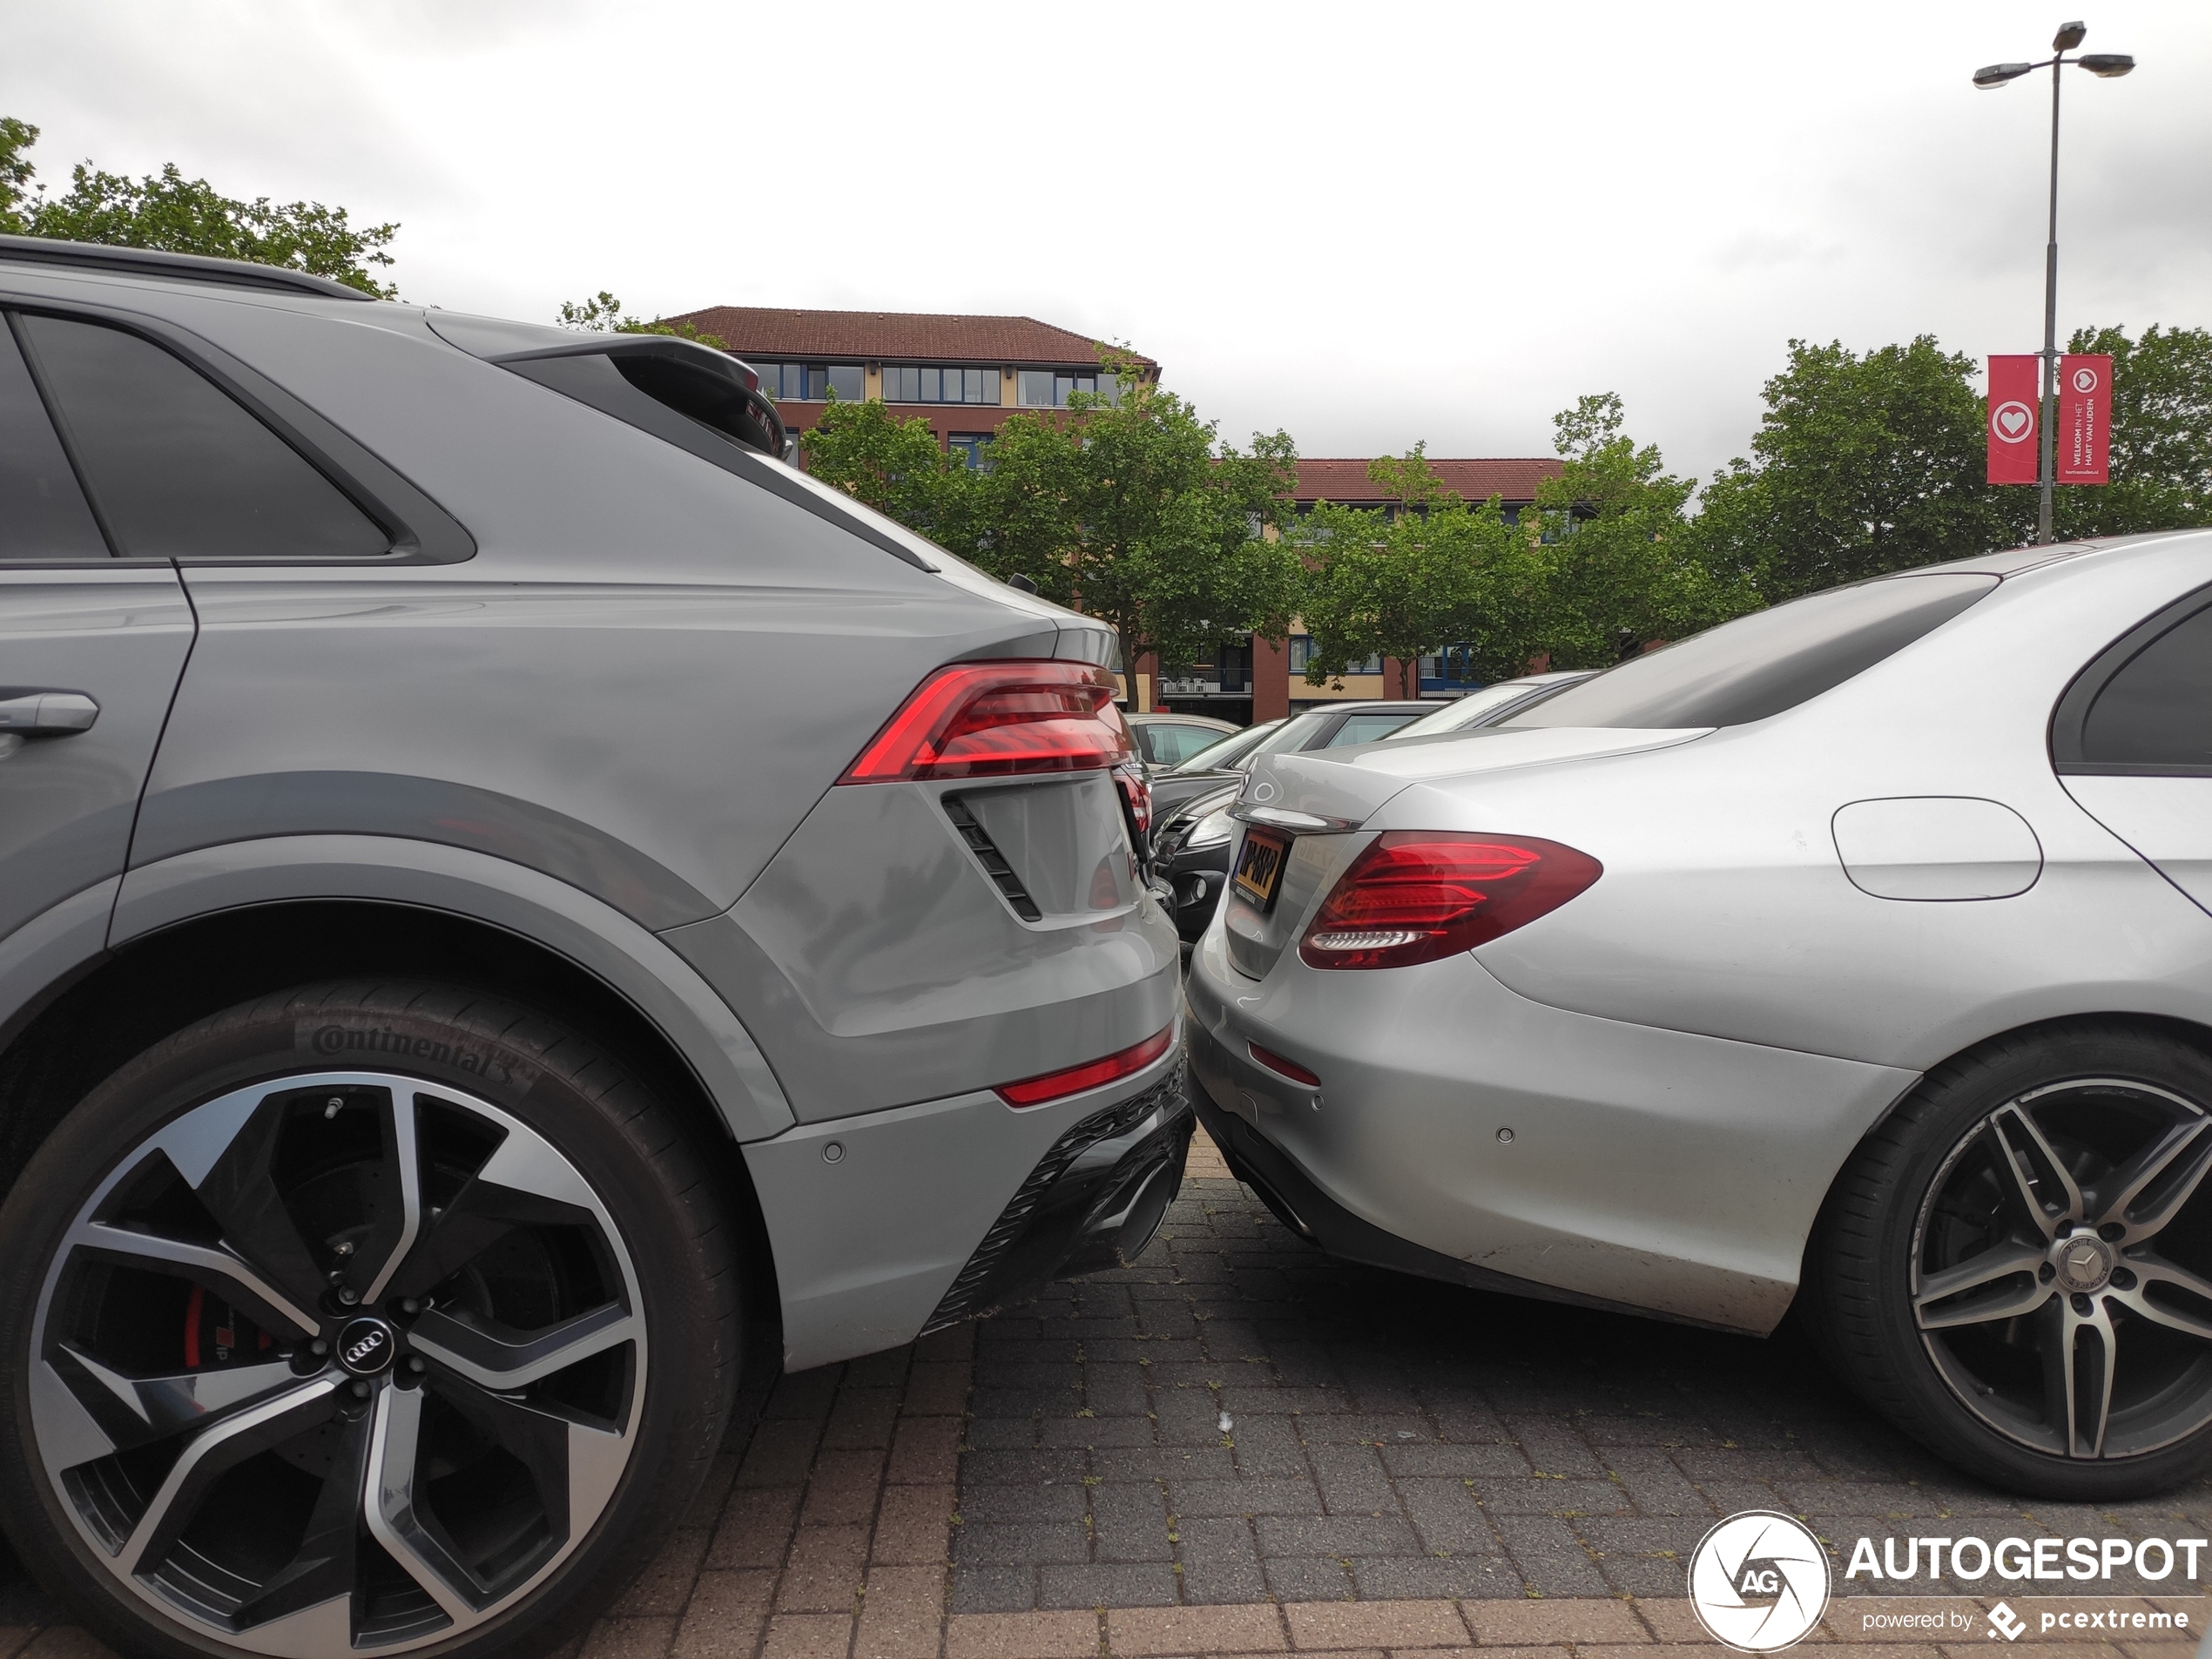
(1259, 875)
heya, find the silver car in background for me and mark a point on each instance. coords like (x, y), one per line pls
(1854, 955)
(510, 896)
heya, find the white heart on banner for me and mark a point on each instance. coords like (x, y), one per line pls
(2011, 422)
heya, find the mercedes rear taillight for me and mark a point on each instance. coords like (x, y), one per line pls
(1415, 896)
(1000, 720)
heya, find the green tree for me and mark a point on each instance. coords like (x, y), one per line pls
(1424, 570)
(1620, 569)
(180, 215)
(16, 174)
(1130, 507)
(603, 315)
(1862, 465)
(2161, 436)
(899, 468)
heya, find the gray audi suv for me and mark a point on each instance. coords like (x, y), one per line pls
(506, 888)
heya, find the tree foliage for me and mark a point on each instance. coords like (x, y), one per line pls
(1862, 464)
(603, 315)
(899, 468)
(1425, 570)
(175, 214)
(1620, 568)
(1126, 506)
(2161, 436)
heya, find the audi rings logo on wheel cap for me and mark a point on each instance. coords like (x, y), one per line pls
(1759, 1582)
(365, 1346)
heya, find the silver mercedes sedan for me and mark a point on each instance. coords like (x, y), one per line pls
(1852, 956)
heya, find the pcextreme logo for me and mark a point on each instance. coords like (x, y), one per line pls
(1759, 1582)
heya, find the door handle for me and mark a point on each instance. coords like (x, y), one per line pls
(41, 714)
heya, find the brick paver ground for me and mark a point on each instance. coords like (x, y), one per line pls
(1404, 1467)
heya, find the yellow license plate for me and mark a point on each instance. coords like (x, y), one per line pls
(1259, 865)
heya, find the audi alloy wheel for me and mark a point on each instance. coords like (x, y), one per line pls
(344, 1359)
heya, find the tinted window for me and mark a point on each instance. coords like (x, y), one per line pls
(2157, 709)
(1171, 745)
(180, 469)
(1366, 728)
(1767, 662)
(1472, 709)
(1232, 749)
(43, 514)
(1295, 734)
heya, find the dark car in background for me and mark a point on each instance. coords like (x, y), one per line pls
(1190, 825)
(1212, 767)
(1165, 740)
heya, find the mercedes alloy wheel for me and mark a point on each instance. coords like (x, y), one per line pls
(2019, 1266)
(348, 1358)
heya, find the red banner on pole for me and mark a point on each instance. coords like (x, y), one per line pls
(2015, 457)
(2085, 420)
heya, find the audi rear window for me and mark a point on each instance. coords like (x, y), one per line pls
(43, 513)
(1767, 661)
(178, 468)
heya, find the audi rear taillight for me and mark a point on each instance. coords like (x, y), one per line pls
(1136, 788)
(1415, 896)
(1000, 720)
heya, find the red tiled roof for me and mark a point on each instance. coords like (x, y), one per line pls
(873, 336)
(1515, 479)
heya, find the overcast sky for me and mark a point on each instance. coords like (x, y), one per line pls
(1367, 225)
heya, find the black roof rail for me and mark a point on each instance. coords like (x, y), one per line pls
(175, 267)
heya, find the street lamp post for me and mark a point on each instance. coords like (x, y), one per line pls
(2107, 64)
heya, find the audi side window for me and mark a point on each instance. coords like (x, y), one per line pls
(2156, 712)
(43, 513)
(1761, 665)
(179, 468)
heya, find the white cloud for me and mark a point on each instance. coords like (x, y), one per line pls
(1365, 226)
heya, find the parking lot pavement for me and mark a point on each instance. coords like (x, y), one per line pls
(1402, 1466)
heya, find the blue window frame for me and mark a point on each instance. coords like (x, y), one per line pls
(973, 447)
(1451, 671)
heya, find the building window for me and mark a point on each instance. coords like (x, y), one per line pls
(912, 383)
(1451, 670)
(1301, 653)
(973, 447)
(1048, 388)
(810, 381)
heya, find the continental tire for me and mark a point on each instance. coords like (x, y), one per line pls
(2016, 1267)
(361, 1319)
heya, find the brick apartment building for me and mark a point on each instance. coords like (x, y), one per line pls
(966, 374)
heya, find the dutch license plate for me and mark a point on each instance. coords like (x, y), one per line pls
(1259, 865)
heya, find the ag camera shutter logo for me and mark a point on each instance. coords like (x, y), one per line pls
(1759, 1582)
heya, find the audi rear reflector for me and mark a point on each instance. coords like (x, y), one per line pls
(1000, 720)
(1415, 896)
(1092, 1074)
